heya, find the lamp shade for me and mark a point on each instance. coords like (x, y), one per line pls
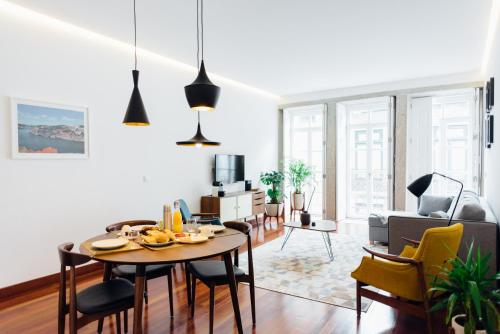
(202, 94)
(136, 113)
(420, 185)
(198, 140)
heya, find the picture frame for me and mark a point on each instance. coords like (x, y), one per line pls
(490, 94)
(490, 130)
(42, 130)
(487, 99)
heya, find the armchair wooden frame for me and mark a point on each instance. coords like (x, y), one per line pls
(418, 309)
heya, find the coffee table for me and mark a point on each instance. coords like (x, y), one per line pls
(322, 226)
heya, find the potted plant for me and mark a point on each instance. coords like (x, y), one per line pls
(274, 181)
(298, 173)
(468, 294)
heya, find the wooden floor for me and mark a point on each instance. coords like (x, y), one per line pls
(36, 312)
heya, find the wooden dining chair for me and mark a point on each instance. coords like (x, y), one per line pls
(93, 303)
(152, 271)
(213, 273)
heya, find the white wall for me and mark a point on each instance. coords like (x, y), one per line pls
(45, 202)
(492, 156)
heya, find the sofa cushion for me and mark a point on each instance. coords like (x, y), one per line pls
(439, 214)
(430, 203)
(380, 219)
(472, 211)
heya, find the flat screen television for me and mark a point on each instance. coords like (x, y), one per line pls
(229, 168)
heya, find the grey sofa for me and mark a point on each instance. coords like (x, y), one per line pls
(485, 233)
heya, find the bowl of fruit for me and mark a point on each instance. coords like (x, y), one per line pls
(154, 237)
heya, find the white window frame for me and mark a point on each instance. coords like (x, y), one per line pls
(288, 134)
(476, 136)
(388, 103)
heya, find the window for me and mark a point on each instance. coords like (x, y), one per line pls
(304, 140)
(443, 136)
(366, 152)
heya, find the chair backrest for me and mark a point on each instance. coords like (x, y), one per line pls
(244, 228)
(68, 259)
(185, 212)
(438, 245)
(118, 226)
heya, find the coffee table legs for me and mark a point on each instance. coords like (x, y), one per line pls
(234, 293)
(288, 233)
(140, 274)
(328, 244)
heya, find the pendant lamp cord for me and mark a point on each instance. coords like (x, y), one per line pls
(199, 12)
(197, 34)
(202, 31)
(135, 38)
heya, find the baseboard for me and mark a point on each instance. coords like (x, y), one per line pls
(10, 293)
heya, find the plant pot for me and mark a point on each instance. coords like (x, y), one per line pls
(274, 210)
(458, 328)
(298, 201)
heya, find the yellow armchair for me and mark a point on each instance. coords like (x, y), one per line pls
(407, 276)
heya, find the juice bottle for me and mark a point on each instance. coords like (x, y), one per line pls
(177, 224)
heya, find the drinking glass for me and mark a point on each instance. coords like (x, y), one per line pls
(192, 225)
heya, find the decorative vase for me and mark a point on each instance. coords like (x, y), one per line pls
(274, 210)
(305, 218)
(298, 201)
(458, 328)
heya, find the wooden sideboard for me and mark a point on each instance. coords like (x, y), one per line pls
(235, 206)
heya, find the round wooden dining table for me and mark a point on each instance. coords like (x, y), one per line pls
(221, 245)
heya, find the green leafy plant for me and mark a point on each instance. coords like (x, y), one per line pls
(273, 180)
(466, 288)
(298, 173)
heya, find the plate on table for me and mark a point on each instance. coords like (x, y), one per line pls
(192, 239)
(217, 228)
(157, 244)
(110, 243)
(214, 228)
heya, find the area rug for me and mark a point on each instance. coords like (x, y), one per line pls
(303, 268)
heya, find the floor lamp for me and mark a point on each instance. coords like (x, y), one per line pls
(420, 185)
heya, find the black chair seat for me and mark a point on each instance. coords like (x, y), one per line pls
(152, 271)
(106, 296)
(213, 271)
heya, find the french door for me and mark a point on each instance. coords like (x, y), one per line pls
(443, 135)
(303, 139)
(368, 155)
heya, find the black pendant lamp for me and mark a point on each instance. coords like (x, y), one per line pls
(198, 139)
(202, 94)
(136, 113)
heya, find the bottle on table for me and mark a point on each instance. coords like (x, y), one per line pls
(167, 216)
(177, 221)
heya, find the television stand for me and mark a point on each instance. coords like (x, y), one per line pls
(235, 206)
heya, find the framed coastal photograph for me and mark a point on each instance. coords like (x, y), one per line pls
(48, 131)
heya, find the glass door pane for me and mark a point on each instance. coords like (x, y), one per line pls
(448, 143)
(304, 140)
(368, 157)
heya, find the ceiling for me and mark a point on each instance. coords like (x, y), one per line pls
(288, 47)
